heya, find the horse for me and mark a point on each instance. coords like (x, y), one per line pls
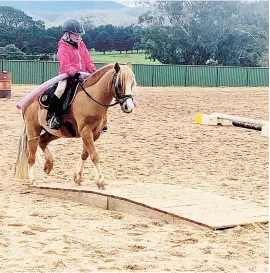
(85, 118)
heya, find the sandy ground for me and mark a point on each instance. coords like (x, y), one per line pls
(157, 143)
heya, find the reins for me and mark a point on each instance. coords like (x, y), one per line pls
(119, 100)
(105, 105)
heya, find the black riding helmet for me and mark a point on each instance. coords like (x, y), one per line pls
(73, 26)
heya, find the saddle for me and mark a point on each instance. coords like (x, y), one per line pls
(66, 99)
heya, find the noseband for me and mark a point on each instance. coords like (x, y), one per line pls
(119, 99)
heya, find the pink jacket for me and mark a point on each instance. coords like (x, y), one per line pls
(73, 60)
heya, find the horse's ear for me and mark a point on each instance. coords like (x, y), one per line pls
(129, 64)
(116, 67)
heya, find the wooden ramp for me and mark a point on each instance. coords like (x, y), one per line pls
(172, 203)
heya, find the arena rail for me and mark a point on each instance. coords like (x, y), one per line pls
(37, 72)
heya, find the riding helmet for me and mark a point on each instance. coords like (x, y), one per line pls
(73, 26)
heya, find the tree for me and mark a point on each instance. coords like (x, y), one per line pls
(185, 32)
(11, 18)
(36, 40)
(26, 34)
(103, 42)
(13, 22)
(87, 23)
(123, 40)
(90, 37)
(245, 40)
(137, 38)
(11, 52)
(110, 29)
(55, 32)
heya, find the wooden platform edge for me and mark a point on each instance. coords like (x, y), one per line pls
(116, 203)
(112, 202)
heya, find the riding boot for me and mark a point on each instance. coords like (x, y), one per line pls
(54, 112)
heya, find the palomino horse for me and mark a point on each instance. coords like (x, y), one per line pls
(85, 118)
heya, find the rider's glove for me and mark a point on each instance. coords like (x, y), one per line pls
(84, 75)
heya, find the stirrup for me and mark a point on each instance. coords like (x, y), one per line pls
(54, 123)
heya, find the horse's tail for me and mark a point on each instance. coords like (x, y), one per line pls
(21, 166)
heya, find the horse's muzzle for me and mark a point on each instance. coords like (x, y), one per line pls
(127, 105)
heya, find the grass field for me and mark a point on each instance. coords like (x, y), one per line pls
(115, 56)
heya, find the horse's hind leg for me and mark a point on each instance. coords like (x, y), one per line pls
(78, 174)
(45, 139)
(33, 130)
(32, 149)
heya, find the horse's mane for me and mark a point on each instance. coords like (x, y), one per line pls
(125, 74)
(95, 77)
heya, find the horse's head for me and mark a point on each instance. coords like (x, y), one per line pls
(123, 81)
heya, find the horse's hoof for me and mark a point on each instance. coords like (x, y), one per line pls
(101, 185)
(77, 179)
(48, 167)
(33, 183)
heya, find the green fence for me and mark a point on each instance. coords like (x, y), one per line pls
(37, 72)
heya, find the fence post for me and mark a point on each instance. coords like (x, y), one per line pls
(217, 79)
(43, 72)
(186, 76)
(153, 74)
(247, 76)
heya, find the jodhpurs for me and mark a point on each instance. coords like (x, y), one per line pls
(60, 88)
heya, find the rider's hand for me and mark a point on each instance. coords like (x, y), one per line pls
(84, 75)
(77, 75)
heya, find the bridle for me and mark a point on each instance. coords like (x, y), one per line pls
(119, 99)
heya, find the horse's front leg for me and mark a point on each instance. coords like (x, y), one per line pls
(88, 140)
(78, 174)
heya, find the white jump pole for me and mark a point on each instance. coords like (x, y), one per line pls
(239, 119)
(224, 119)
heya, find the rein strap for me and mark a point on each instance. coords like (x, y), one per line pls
(119, 100)
(105, 105)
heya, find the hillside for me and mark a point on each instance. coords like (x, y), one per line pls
(54, 13)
